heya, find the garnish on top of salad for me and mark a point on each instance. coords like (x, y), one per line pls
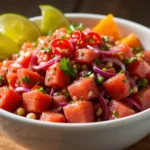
(77, 75)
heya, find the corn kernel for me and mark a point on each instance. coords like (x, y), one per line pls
(20, 111)
(31, 116)
(99, 111)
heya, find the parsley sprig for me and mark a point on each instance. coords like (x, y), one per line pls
(67, 67)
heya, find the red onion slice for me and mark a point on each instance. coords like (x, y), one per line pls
(49, 63)
(104, 107)
(58, 109)
(22, 89)
(52, 91)
(62, 104)
(134, 103)
(115, 61)
(103, 73)
(102, 51)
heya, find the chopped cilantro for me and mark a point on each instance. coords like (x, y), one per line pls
(128, 61)
(67, 67)
(105, 47)
(143, 83)
(100, 79)
(106, 38)
(26, 79)
(115, 114)
(1, 79)
(140, 54)
(124, 81)
(137, 49)
(73, 27)
(121, 71)
(41, 90)
(47, 50)
(97, 61)
(67, 95)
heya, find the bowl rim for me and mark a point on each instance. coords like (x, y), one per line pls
(109, 123)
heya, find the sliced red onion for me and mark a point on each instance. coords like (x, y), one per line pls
(58, 109)
(102, 51)
(49, 63)
(34, 56)
(62, 104)
(104, 107)
(101, 72)
(131, 81)
(15, 65)
(115, 61)
(52, 91)
(134, 103)
(22, 89)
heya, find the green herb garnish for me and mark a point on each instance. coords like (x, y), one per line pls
(67, 67)
(1, 79)
(130, 60)
(143, 83)
(100, 79)
(26, 79)
(41, 90)
(115, 114)
(73, 27)
(106, 39)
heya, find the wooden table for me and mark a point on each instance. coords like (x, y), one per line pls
(135, 10)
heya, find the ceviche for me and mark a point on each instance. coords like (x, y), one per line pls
(77, 75)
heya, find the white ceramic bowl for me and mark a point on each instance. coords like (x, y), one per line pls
(109, 135)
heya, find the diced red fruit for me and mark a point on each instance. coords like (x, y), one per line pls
(139, 68)
(118, 86)
(43, 57)
(111, 70)
(147, 56)
(84, 89)
(143, 98)
(123, 50)
(27, 46)
(9, 99)
(28, 78)
(116, 110)
(11, 79)
(58, 99)
(93, 38)
(61, 47)
(79, 112)
(86, 56)
(23, 60)
(52, 117)
(36, 101)
(56, 77)
(59, 33)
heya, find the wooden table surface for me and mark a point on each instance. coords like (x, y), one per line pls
(135, 10)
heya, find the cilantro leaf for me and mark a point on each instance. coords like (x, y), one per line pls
(41, 90)
(67, 67)
(26, 79)
(128, 61)
(143, 83)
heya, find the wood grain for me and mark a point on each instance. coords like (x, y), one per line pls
(6, 144)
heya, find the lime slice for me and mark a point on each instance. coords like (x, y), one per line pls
(52, 19)
(18, 28)
(7, 47)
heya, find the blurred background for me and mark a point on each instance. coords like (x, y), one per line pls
(135, 10)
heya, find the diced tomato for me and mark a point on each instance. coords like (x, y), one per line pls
(117, 110)
(24, 59)
(84, 89)
(139, 68)
(147, 56)
(85, 56)
(79, 112)
(111, 70)
(11, 79)
(9, 99)
(56, 77)
(27, 46)
(36, 101)
(52, 117)
(123, 50)
(143, 98)
(59, 33)
(59, 99)
(5, 67)
(28, 78)
(43, 57)
(118, 86)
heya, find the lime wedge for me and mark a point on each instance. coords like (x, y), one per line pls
(18, 28)
(52, 19)
(7, 47)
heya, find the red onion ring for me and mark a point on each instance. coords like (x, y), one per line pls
(49, 63)
(103, 73)
(52, 91)
(102, 51)
(134, 103)
(22, 89)
(115, 61)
